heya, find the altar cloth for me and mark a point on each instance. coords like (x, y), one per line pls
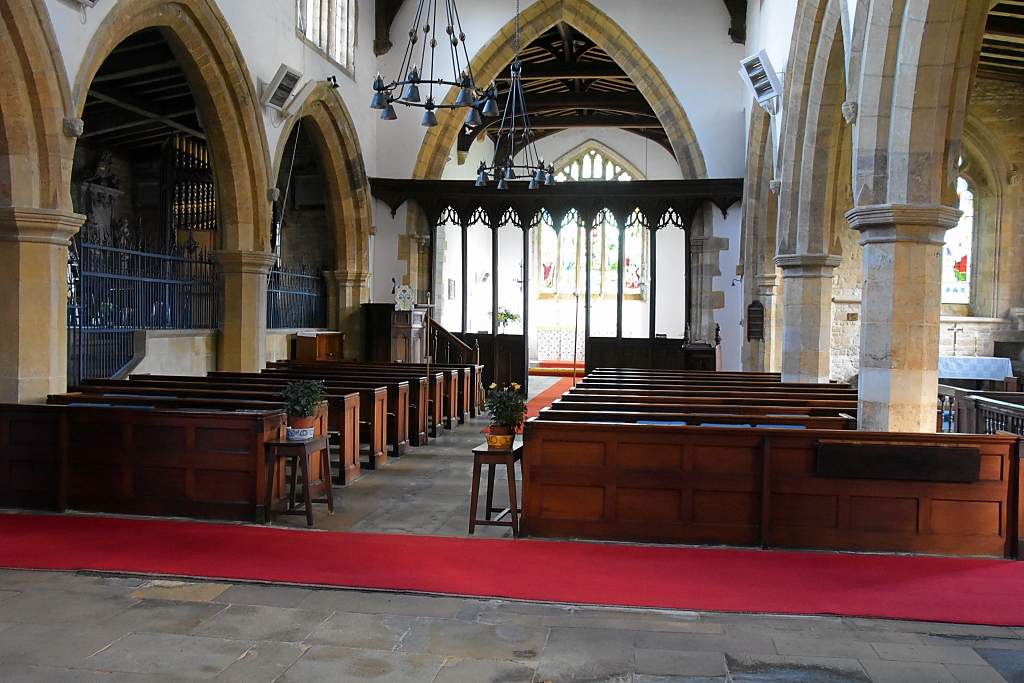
(974, 367)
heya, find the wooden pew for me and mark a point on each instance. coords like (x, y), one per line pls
(636, 414)
(566, 403)
(372, 401)
(198, 464)
(844, 405)
(425, 392)
(397, 402)
(762, 487)
(348, 436)
(447, 406)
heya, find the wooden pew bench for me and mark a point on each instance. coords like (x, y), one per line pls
(424, 393)
(198, 464)
(759, 487)
(643, 415)
(347, 438)
(372, 414)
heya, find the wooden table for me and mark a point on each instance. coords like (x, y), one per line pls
(319, 491)
(484, 455)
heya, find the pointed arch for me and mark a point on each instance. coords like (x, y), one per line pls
(917, 62)
(204, 46)
(605, 152)
(35, 154)
(813, 134)
(327, 120)
(610, 37)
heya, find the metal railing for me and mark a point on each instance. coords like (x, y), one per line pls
(296, 297)
(122, 286)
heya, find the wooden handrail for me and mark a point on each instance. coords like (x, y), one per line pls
(456, 347)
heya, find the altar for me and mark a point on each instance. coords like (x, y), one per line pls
(974, 367)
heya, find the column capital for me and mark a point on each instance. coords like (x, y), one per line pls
(349, 278)
(246, 262)
(42, 226)
(879, 223)
(807, 265)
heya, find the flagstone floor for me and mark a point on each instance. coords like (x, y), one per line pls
(84, 627)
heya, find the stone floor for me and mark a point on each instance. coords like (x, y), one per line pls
(84, 627)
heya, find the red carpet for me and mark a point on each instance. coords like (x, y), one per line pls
(548, 396)
(922, 588)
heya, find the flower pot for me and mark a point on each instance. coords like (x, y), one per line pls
(301, 428)
(500, 437)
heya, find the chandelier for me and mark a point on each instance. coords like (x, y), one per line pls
(407, 90)
(514, 129)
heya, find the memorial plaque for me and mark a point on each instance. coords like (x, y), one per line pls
(755, 321)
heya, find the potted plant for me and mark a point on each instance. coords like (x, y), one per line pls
(506, 318)
(302, 400)
(507, 407)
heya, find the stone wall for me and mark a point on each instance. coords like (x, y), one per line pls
(174, 352)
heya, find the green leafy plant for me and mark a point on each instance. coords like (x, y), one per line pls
(507, 317)
(302, 397)
(507, 406)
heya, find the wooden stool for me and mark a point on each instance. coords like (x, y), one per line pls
(277, 455)
(484, 455)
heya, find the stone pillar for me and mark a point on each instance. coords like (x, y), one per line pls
(243, 310)
(899, 319)
(34, 302)
(346, 291)
(771, 360)
(806, 315)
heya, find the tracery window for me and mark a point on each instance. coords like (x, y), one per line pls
(330, 26)
(956, 254)
(560, 253)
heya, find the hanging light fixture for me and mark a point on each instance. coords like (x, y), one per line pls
(515, 128)
(412, 74)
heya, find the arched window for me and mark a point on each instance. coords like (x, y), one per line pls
(560, 252)
(956, 254)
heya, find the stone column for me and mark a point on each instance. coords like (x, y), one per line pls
(806, 315)
(346, 291)
(243, 310)
(772, 344)
(899, 319)
(34, 302)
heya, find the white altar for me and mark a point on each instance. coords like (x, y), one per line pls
(974, 367)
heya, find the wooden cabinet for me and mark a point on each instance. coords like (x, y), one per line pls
(395, 336)
(320, 346)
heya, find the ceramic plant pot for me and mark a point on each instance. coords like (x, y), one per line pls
(500, 437)
(300, 428)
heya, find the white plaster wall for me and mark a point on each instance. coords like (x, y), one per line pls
(730, 318)
(670, 318)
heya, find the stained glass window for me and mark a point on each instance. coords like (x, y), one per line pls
(956, 253)
(558, 253)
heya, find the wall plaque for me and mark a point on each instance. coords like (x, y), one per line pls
(755, 321)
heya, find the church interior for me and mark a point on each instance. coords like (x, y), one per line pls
(771, 431)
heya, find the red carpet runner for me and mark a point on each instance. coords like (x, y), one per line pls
(923, 588)
(548, 396)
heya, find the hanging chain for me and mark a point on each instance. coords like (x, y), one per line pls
(517, 30)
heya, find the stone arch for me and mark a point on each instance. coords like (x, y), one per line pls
(326, 118)
(205, 47)
(916, 66)
(758, 242)
(35, 153)
(610, 37)
(813, 135)
(36, 217)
